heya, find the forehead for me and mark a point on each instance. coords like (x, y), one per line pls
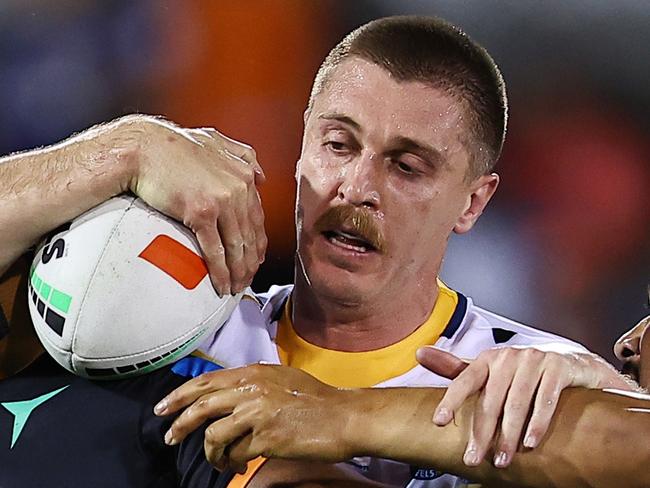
(371, 96)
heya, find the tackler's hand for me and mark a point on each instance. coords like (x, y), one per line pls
(513, 383)
(205, 180)
(261, 410)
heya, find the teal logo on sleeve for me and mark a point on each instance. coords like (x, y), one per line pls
(23, 409)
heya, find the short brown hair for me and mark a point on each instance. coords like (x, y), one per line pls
(434, 52)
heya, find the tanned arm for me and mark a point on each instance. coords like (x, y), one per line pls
(597, 438)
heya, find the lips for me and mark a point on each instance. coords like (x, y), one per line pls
(349, 240)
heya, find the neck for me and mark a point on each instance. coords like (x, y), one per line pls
(337, 323)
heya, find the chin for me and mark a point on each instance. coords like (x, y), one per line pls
(333, 282)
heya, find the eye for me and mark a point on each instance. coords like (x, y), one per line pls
(337, 147)
(405, 168)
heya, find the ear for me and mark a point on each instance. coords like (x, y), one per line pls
(482, 190)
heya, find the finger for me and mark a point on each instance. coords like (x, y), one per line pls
(518, 404)
(233, 242)
(466, 384)
(253, 204)
(250, 257)
(256, 215)
(440, 362)
(206, 407)
(214, 254)
(551, 385)
(488, 409)
(219, 435)
(240, 452)
(245, 152)
(195, 388)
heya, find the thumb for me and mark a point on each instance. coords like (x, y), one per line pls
(440, 362)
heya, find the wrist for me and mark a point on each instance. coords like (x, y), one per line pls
(121, 147)
(365, 432)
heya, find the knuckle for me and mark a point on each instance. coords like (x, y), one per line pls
(226, 195)
(203, 381)
(263, 242)
(211, 434)
(202, 214)
(532, 353)
(248, 176)
(249, 150)
(240, 186)
(237, 417)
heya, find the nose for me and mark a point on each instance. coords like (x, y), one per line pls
(360, 181)
(627, 348)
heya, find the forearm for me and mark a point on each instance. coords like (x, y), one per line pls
(41, 189)
(588, 444)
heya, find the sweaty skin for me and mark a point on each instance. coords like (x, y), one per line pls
(382, 156)
(281, 412)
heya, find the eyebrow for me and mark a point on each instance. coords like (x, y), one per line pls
(402, 144)
(342, 118)
(428, 153)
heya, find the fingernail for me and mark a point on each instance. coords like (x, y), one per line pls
(442, 416)
(161, 406)
(530, 441)
(470, 458)
(501, 459)
(169, 438)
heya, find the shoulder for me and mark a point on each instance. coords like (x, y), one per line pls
(248, 335)
(481, 329)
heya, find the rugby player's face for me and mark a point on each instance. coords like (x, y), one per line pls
(392, 156)
(630, 348)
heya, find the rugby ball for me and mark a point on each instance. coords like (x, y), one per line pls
(122, 290)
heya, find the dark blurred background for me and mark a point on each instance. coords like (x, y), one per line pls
(565, 244)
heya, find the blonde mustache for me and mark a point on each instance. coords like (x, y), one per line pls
(358, 219)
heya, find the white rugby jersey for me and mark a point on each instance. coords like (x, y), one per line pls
(250, 333)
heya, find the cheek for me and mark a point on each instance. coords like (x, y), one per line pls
(319, 175)
(315, 190)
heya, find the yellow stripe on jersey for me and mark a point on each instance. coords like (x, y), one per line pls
(368, 368)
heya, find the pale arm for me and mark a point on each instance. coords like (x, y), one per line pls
(41, 189)
(197, 176)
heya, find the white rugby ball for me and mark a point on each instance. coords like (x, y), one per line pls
(122, 290)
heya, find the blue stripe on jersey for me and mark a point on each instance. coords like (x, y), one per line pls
(193, 366)
(457, 317)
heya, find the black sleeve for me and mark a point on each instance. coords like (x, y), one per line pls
(192, 466)
(185, 462)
